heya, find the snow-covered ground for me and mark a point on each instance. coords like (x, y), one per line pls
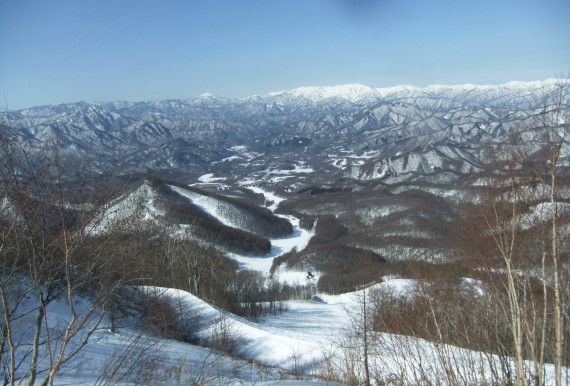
(298, 239)
(138, 205)
(307, 332)
(294, 340)
(209, 178)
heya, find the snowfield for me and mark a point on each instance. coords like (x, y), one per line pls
(208, 178)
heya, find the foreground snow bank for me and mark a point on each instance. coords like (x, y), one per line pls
(132, 356)
(267, 344)
(302, 340)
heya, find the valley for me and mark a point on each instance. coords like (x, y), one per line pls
(434, 221)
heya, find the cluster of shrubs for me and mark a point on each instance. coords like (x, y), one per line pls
(253, 294)
(314, 190)
(327, 230)
(414, 212)
(464, 303)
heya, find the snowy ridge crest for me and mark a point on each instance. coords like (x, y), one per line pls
(357, 92)
(350, 92)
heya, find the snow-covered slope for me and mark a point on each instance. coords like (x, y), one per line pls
(297, 340)
(128, 211)
(236, 214)
(296, 343)
(360, 94)
(349, 138)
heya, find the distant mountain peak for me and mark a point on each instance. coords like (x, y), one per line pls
(351, 92)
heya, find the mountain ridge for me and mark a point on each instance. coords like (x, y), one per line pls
(190, 138)
(355, 91)
(351, 91)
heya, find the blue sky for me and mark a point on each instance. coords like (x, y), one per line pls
(66, 51)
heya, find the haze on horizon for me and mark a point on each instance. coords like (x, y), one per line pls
(67, 51)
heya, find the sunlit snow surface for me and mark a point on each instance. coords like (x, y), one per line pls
(138, 205)
(298, 239)
(297, 336)
(206, 178)
(296, 339)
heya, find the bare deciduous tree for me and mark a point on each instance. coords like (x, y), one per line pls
(44, 224)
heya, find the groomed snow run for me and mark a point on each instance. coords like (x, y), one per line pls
(279, 246)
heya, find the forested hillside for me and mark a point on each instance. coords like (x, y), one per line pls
(430, 224)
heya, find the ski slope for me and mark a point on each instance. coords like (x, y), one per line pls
(284, 344)
(295, 341)
(298, 239)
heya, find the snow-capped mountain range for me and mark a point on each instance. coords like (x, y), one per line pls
(357, 93)
(363, 132)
